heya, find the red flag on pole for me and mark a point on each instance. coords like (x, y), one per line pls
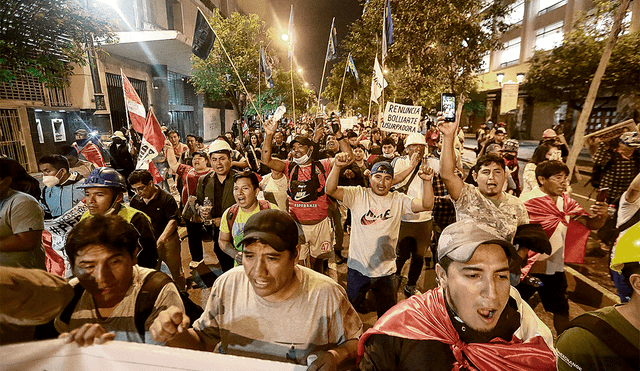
(151, 146)
(92, 153)
(133, 104)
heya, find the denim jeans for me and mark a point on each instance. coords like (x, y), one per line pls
(384, 289)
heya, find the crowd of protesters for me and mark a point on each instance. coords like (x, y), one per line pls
(277, 206)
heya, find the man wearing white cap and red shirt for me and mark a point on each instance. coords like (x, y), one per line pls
(473, 320)
(415, 229)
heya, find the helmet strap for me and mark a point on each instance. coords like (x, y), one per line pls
(115, 204)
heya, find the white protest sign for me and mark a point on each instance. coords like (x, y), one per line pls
(61, 226)
(56, 354)
(146, 154)
(348, 122)
(400, 118)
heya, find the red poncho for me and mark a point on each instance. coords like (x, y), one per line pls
(543, 211)
(425, 317)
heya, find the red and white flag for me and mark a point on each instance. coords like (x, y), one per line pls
(134, 106)
(92, 153)
(151, 146)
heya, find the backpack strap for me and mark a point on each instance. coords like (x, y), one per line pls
(146, 299)
(231, 215)
(621, 346)
(66, 314)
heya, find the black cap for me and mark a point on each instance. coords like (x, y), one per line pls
(532, 237)
(302, 140)
(273, 227)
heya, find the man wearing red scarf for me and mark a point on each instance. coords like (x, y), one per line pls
(567, 225)
(474, 320)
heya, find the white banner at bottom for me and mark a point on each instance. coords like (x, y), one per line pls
(122, 356)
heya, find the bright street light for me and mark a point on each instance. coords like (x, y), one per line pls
(285, 37)
(299, 70)
(306, 84)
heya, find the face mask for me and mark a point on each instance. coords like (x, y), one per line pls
(51, 180)
(302, 159)
(388, 155)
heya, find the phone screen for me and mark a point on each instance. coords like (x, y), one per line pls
(602, 194)
(449, 107)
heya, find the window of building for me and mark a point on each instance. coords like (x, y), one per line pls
(550, 37)
(545, 6)
(511, 53)
(515, 13)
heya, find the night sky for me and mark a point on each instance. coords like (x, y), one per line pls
(312, 19)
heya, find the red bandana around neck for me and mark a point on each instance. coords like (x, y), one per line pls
(425, 317)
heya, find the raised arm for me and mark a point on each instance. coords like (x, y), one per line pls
(171, 156)
(273, 163)
(399, 177)
(633, 192)
(426, 202)
(341, 160)
(453, 183)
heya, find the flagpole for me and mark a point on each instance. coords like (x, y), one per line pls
(343, 77)
(124, 97)
(384, 57)
(259, 83)
(235, 69)
(325, 64)
(293, 91)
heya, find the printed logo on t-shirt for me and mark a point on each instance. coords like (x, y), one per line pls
(300, 195)
(375, 216)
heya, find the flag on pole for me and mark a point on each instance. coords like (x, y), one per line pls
(290, 32)
(264, 67)
(378, 83)
(351, 67)
(92, 153)
(203, 37)
(151, 145)
(133, 105)
(245, 128)
(387, 31)
(331, 48)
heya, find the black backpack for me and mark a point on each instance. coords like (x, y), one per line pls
(151, 287)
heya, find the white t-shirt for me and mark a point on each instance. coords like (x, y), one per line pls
(375, 225)
(242, 323)
(550, 264)
(415, 189)
(19, 212)
(626, 211)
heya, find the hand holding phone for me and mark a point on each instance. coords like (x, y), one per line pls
(448, 105)
(602, 194)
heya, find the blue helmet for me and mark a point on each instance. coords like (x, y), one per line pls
(104, 177)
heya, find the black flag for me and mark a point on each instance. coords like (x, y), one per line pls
(203, 37)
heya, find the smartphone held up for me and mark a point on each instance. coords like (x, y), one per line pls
(448, 105)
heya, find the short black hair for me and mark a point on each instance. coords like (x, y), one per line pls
(173, 131)
(202, 153)
(247, 174)
(547, 169)
(445, 262)
(111, 231)
(352, 134)
(487, 160)
(387, 141)
(191, 136)
(140, 176)
(376, 131)
(628, 270)
(57, 161)
(200, 139)
(361, 146)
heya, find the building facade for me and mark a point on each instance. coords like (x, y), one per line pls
(153, 51)
(539, 25)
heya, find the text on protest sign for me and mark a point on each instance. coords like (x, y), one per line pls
(400, 118)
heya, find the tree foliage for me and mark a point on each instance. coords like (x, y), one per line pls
(43, 38)
(243, 35)
(438, 47)
(565, 73)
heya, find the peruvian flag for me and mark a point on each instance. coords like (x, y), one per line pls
(151, 146)
(245, 128)
(133, 104)
(92, 153)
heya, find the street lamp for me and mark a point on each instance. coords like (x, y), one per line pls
(299, 70)
(285, 37)
(520, 77)
(500, 77)
(306, 84)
